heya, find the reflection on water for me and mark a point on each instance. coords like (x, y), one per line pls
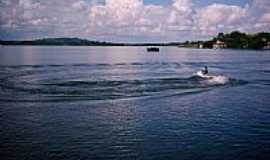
(125, 103)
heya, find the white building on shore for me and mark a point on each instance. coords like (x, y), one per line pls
(219, 44)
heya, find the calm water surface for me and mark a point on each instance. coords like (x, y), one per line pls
(124, 103)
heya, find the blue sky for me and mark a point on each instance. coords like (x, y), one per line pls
(131, 20)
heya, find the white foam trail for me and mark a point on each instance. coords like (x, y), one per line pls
(212, 79)
(219, 80)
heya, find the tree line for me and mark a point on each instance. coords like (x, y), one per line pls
(235, 39)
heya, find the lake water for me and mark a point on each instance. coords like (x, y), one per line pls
(124, 103)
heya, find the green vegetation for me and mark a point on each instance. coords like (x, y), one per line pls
(241, 40)
(235, 40)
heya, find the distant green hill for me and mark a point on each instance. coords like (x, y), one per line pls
(80, 42)
(57, 41)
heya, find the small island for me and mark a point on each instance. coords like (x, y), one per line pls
(233, 40)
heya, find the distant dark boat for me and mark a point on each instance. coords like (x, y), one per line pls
(153, 49)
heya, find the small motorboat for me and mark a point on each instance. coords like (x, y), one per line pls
(153, 49)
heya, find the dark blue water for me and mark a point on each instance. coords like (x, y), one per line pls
(124, 103)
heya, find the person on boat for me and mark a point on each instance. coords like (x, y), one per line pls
(205, 71)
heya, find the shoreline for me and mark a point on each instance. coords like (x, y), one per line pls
(105, 46)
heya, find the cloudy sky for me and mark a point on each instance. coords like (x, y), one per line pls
(131, 20)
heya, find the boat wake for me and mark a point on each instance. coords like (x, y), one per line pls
(214, 79)
(73, 84)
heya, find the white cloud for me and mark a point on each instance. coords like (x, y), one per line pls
(183, 7)
(262, 4)
(181, 13)
(134, 17)
(219, 17)
(29, 4)
(266, 18)
(116, 13)
(16, 13)
(80, 5)
(129, 19)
